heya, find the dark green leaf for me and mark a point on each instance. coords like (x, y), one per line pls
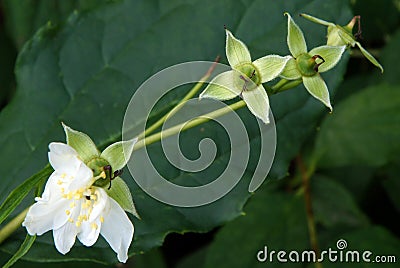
(19, 193)
(333, 205)
(23, 18)
(271, 219)
(391, 58)
(363, 130)
(84, 72)
(26, 245)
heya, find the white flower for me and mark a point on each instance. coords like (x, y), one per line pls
(73, 207)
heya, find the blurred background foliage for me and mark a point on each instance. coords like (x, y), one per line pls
(354, 188)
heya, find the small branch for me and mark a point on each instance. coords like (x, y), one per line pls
(306, 175)
(12, 225)
(182, 102)
(187, 125)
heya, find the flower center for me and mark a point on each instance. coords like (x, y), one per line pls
(82, 200)
(249, 78)
(308, 65)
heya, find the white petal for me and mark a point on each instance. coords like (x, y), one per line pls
(100, 205)
(257, 102)
(63, 157)
(82, 179)
(52, 189)
(64, 237)
(117, 229)
(40, 217)
(89, 234)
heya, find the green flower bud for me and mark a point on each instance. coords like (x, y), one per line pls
(307, 65)
(343, 35)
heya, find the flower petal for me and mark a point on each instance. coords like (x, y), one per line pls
(89, 232)
(64, 237)
(82, 179)
(63, 157)
(117, 229)
(51, 189)
(236, 51)
(120, 192)
(295, 38)
(119, 153)
(42, 216)
(257, 102)
(81, 142)
(331, 55)
(369, 56)
(316, 20)
(290, 72)
(222, 87)
(270, 66)
(100, 205)
(316, 86)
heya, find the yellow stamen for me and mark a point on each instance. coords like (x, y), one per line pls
(63, 175)
(101, 219)
(78, 223)
(94, 226)
(72, 204)
(70, 220)
(59, 182)
(67, 212)
(93, 197)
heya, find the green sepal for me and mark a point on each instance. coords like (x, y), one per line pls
(295, 38)
(331, 55)
(316, 20)
(81, 142)
(369, 57)
(222, 87)
(291, 72)
(119, 153)
(120, 192)
(236, 51)
(316, 86)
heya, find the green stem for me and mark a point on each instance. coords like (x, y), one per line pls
(187, 125)
(283, 85)
(12, 225)
(180, 104)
